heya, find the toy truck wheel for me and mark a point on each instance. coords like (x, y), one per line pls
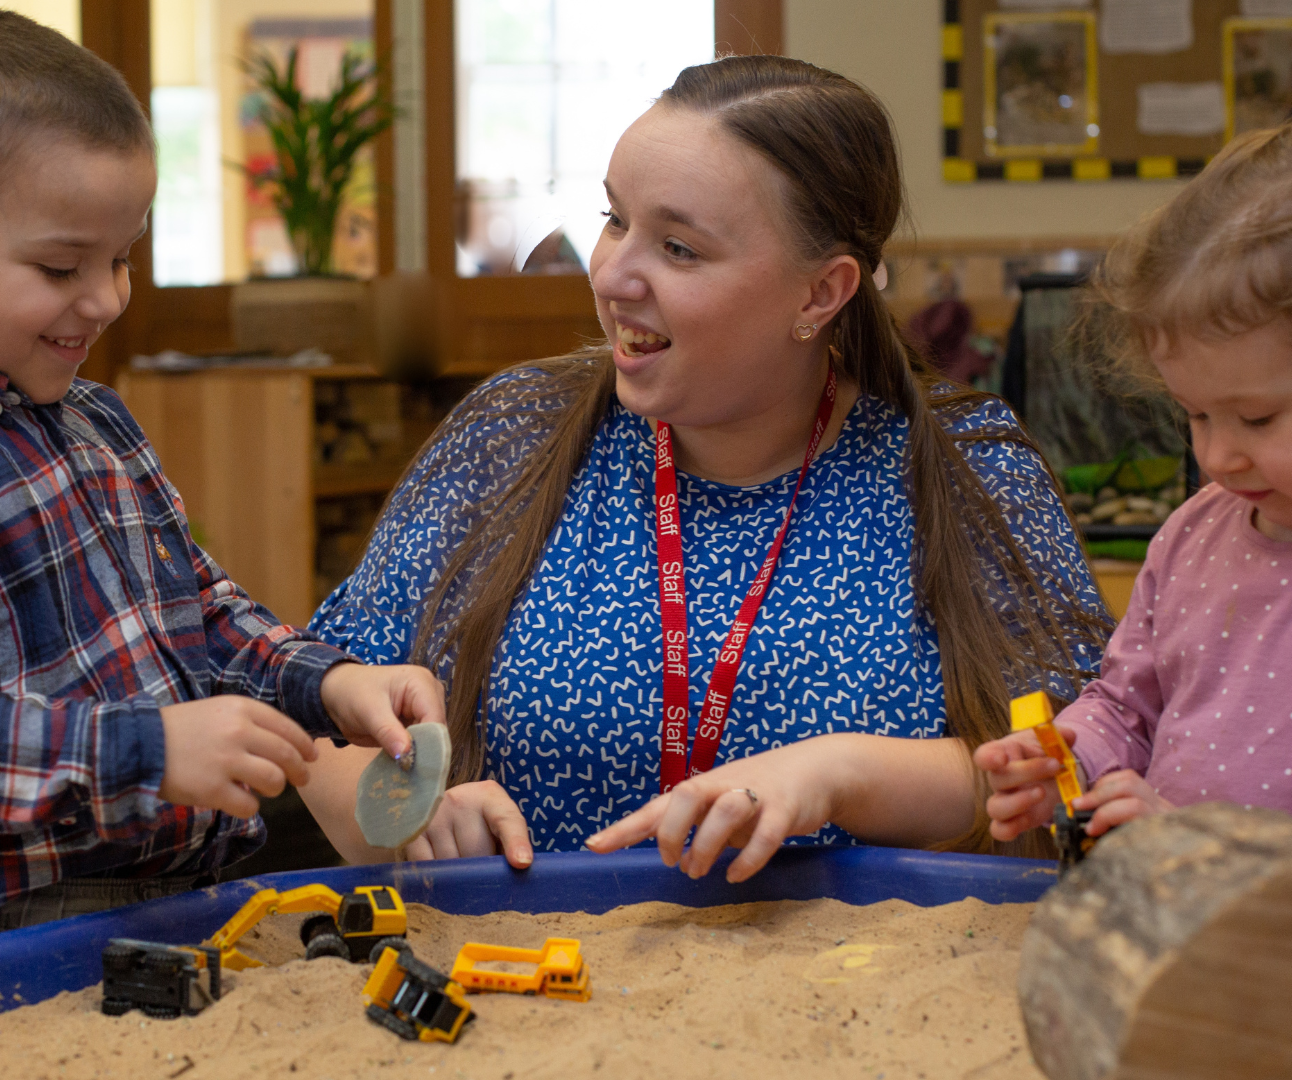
(391, 1022)
(167, 963)
(162, 1012)
(318, 924)
(382, 944)
(327, 945)
(118, 957)
(117, 1006)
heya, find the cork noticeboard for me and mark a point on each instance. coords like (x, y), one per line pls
(1007, 66)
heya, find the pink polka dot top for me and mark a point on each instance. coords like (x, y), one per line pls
(1195, 691)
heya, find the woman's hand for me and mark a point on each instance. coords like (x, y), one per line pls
(1021, 776)
(372, 704)
(788, 799)
(475, 819)
(896, 791)
(1118, 798)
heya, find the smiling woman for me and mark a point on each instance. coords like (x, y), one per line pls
(741, 567)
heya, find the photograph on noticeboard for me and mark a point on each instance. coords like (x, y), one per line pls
(1258, 74)
(1041, 94)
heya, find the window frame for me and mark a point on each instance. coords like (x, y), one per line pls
(480, 324)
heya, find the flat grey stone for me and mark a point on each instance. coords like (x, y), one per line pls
(393, 806)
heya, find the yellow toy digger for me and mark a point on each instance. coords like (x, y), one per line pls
(356, 927)
(1069, 828)
(559, 970)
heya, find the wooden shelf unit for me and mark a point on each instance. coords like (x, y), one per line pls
(1116, 581)
(239, 445)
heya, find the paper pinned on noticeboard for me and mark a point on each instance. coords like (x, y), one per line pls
(1181, 108)
(1266, 9)
(1146, 26)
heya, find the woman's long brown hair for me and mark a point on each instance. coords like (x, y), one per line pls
(998, 627)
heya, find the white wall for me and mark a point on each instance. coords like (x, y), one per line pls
(894, 48)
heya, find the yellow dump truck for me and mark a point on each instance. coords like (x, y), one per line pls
(414, 1000)
(559, 970)
(357, 926)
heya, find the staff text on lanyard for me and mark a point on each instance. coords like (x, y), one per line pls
(672, 596)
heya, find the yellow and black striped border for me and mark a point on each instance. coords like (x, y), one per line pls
(959, 170)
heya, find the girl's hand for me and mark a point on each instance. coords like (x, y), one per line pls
(372, 704)
(1021, 776)
(792, 795)
(220, 750)
(475, 819)
(1118, 798)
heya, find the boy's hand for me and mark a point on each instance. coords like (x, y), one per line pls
(221, 749)
(1118, 798)
(372, 705)
(1021, 776)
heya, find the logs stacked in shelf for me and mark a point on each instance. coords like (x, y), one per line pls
(1167, 953)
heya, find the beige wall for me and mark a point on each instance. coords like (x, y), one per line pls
(893, 47)
(63, 15)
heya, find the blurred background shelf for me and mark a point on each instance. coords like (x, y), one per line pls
(336, 481)
(282, 471)
(1116, 580)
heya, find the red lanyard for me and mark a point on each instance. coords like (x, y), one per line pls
(672, 603)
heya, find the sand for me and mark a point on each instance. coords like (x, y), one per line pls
(815, 989)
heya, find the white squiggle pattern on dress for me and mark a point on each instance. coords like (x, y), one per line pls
(575, 700)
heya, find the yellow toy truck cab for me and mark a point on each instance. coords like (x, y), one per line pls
(357, 926)
(414, 1000)
(1035, 711)
(559, 970)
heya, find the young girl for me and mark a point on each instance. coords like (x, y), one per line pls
(1194, 702)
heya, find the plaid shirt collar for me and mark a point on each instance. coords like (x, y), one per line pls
(12, 398)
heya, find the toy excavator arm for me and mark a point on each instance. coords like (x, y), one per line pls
(1035, 712)
(268, 902)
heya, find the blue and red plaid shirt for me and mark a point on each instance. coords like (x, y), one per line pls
(109, 611)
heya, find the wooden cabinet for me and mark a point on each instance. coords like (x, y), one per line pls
(1116, 581)
(265, 460)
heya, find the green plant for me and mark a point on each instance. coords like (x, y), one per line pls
(316, 142)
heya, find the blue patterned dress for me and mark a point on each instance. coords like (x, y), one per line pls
(575, 700)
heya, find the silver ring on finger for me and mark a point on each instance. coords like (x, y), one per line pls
(749, 792)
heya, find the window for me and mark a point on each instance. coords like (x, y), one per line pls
(210, 223)
(474, 324)
(544, 89)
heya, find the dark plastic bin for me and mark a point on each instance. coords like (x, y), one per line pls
(39, 962)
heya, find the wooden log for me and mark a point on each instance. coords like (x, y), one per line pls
(1167, 953)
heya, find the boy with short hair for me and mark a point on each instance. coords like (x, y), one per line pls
(140, 689)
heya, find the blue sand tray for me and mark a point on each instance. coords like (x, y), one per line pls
(40, 961)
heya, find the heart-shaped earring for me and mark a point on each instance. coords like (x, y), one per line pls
(804, 331)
